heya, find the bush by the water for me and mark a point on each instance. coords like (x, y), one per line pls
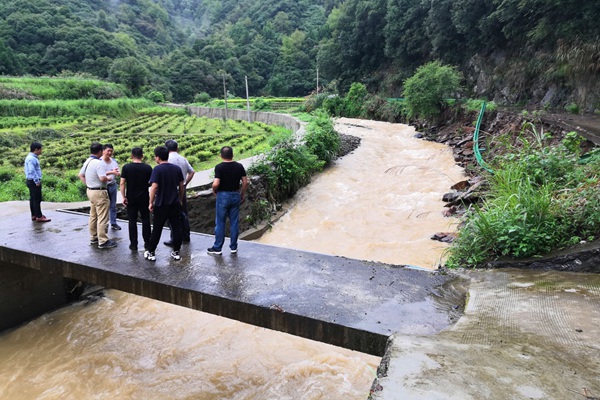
(541, 198)
(289, 165)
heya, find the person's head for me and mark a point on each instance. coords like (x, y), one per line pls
(95, 148)
(162, 153)
(226, 153)
(107, 150)
(137, 153)
(171, 145)
(35, 147)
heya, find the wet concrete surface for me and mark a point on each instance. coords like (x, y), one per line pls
(588, 125)
(344, 302)
(525, 335)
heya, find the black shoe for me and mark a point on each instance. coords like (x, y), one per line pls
(93, 242)
(116, 227)
(213, 250)
(133, 247)
(186, 240)
(107, 245)
(168, 243)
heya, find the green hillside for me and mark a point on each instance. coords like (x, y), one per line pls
(536, 52)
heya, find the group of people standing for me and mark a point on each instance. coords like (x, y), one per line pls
(145, 190)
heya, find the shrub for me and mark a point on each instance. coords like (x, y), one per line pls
(541, 198)
(314, 102)
(572, 108)
(426, 91)
(155, 96)
(7, 173)
(261, 104)
(334, 105)
(354, 100)
(321, 139)
(287, 167)
(202, 97)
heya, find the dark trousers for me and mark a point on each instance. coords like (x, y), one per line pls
(185, 222)
(135, 208)
(35, 198)
(171, 213)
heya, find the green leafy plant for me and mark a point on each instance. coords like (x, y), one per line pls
(572, 108)
(321, 139)
(426, 91)
(540, 198)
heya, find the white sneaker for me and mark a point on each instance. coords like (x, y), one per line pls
(175, 255)
(149, 255)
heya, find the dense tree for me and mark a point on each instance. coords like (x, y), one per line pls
(183, 47)
(130, 72)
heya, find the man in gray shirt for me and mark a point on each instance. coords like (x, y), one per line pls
(112, 186)
(93, 175)
(188, 173)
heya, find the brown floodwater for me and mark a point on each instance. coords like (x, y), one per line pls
(381, 203)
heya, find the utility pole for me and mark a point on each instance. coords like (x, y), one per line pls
(317, 80)
(318, 70)
(247, 99)
(225, 96)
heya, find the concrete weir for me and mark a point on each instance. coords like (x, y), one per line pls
(344, 302)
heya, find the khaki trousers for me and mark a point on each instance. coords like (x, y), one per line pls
(99, 205)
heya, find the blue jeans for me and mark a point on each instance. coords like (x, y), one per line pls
(112, 195)
(228, 205)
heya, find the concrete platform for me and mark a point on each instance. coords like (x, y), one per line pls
(525, 335)
(348, 303)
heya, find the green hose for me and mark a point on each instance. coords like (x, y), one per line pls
(476, 141)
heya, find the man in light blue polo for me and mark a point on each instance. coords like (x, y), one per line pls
(33, 176)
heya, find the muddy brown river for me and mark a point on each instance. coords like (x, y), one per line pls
(382, 203)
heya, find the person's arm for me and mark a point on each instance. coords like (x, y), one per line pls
(153, 190)
(190, 173)
(101, 171)
(82, 171)
(244, 187)
(215, 185)
(122, 187)
(37, 172)
(181, 192)
(188, 178)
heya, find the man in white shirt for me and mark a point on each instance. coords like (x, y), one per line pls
(93, 175)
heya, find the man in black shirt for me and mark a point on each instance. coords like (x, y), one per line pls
(166, 194)
(226, 186)
(134, 191)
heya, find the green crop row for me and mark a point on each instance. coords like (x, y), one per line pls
(52, 88)
(119, 108)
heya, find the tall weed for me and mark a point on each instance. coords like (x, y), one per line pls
(541, 198)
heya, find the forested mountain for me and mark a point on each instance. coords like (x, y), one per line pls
(513, 51)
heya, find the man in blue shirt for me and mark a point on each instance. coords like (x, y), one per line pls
(33, 176)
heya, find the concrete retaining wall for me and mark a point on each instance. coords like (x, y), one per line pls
(27, 293)
(284, 120)
(287, 121)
